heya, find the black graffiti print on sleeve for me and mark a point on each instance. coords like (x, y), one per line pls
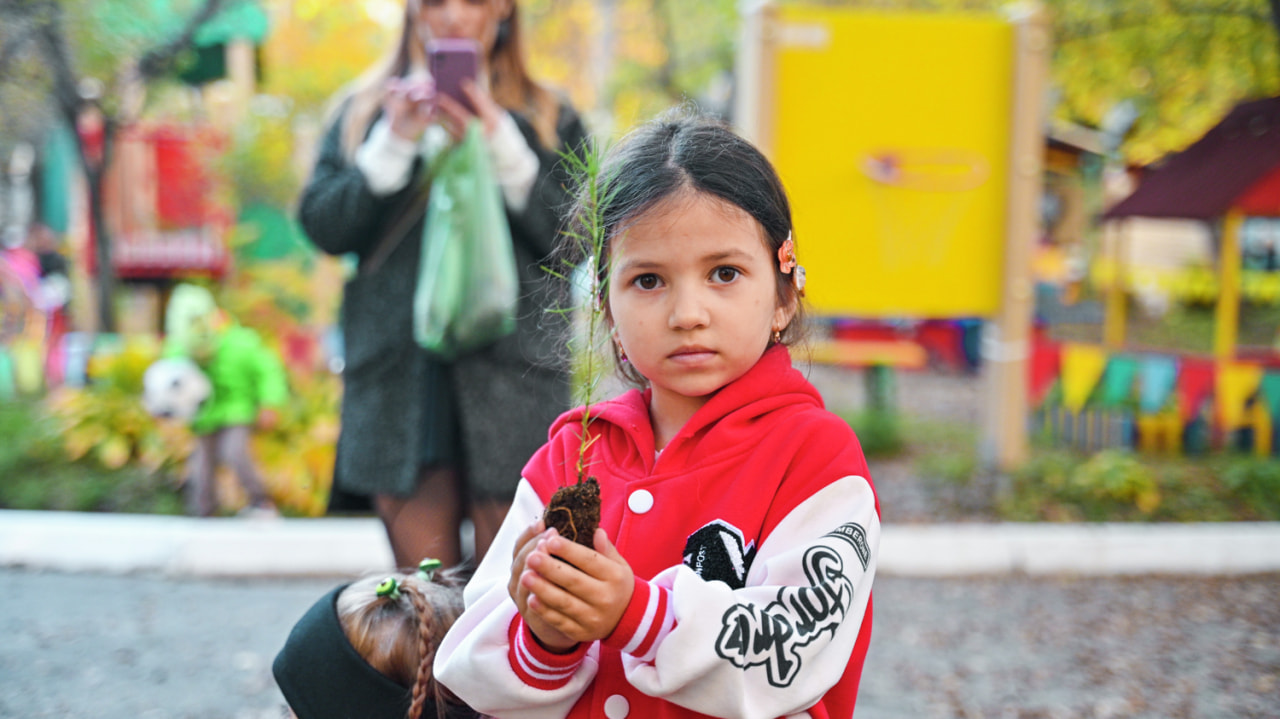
(772, 636)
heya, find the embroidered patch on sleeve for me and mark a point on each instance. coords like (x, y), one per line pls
(772, 636)
(719, 552)
(856, 536)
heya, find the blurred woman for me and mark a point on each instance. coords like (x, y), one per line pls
(420, 437)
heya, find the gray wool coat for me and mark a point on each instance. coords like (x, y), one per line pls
(503, 398)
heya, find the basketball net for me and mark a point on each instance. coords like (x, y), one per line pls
(919, 195)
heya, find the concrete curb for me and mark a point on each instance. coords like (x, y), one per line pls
(1094, 549)
(187, 546)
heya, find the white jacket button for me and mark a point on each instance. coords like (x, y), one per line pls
(640, 501)
(617, 706)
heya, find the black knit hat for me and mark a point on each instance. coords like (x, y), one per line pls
(323, 677)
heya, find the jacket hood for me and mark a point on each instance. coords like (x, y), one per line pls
(624, 431)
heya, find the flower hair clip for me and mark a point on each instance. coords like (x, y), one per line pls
(427, 568)
(389, 587)
(787, 264)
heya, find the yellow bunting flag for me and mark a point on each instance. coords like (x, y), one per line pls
(1235, 384)
(1082, 367)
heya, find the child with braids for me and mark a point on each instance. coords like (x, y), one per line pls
(365, 649)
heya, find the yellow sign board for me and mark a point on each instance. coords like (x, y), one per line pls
(891, 133)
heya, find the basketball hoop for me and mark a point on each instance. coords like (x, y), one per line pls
(919, 196)
(941, 169)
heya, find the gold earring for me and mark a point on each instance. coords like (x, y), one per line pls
(777, 337)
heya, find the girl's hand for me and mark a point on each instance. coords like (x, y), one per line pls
(579, 592)
(525, 544)
(409, 105)
(454, 115)
(547, 636)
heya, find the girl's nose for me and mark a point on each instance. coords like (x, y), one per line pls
(688, 311)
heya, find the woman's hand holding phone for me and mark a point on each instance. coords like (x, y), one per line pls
(454, 115)
(409, 105)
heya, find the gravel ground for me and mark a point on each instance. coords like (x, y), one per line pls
(905, 497)
(148, 647)
(114, 647)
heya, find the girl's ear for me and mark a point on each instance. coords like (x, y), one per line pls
(783, 313)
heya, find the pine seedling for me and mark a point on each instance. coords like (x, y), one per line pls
(574, 510)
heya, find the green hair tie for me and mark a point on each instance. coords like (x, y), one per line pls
(427, 568)
(389, 588)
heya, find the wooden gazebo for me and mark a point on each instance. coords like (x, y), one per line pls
(1230, 173)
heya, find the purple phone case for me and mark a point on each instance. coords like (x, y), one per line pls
(450, 62)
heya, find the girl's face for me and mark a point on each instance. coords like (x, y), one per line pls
(461, 19)
(693, 298)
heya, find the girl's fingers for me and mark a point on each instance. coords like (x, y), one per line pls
(557, 622)
(601, 563)
(529, 533)
(525, 544)
(605, 547)
(544, 593)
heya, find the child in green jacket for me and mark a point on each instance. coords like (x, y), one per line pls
(249, 387)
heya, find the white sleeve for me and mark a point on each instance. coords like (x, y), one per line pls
(514, 163)
(776, 646)
(385, 160)
(479, 656)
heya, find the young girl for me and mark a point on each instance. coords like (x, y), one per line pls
(365, 650)
(731, 573)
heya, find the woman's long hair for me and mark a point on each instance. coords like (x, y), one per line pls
(509, 83)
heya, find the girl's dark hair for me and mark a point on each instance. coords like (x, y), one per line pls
(684, 152)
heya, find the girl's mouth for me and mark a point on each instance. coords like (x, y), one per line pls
(691, 354)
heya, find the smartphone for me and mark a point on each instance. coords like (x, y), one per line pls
(451, 61)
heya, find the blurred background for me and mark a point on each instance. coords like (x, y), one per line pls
(1043, 275)
(1060, 213)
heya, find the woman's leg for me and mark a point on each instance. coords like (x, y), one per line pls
(427, 522)
(487, 516)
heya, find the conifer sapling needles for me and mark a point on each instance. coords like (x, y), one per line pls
(574, 510)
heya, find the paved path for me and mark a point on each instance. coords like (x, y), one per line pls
(74, 541)
(149, 646)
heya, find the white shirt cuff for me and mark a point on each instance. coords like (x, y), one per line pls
(386, 160)
(514, 163)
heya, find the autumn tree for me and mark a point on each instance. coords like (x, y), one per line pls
(80, 60)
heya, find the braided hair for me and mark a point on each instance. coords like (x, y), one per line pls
(398, 635)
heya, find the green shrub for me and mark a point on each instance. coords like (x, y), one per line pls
(1255, 483)
(35, 472)
(944, 452)
(1114, 478)
(879, 432)
(1118, 486)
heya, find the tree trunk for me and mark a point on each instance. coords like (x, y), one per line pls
(106, 276)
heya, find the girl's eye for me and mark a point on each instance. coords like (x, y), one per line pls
(646, 282)
(725, 275)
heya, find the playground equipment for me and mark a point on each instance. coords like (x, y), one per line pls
(1169, 401)
(911, 146)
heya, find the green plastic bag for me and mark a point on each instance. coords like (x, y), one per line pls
(467, 289)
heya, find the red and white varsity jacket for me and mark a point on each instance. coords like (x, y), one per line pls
(753, 538)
